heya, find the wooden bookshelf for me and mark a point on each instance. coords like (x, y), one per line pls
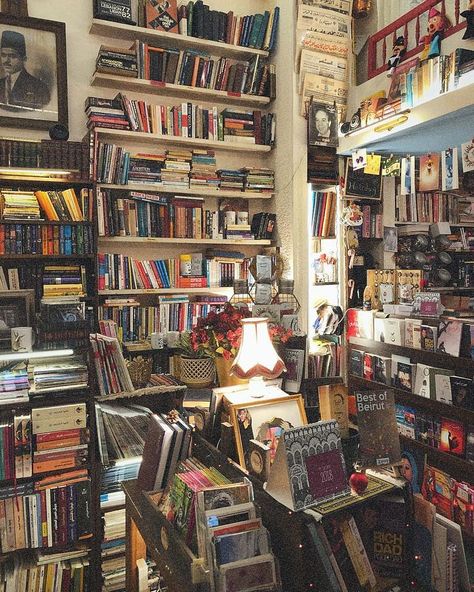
(146, 138)
(191, 191)
(184, 241)
(138, 291)
(45, 223)
(423, 357)
(171, 40)
(13, 256)
(151, 87)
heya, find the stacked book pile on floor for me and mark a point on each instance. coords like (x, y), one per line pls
(187, 120)
(61, 500)
(64, 280)
(14, 384)
(196, 19)
(112, 373)
(57, 375)
(68, 570)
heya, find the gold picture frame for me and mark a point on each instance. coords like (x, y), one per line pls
(263, 420)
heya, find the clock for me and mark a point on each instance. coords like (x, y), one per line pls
(256, 461)
(259, 460)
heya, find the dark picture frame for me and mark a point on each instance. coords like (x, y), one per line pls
(35, 96)
(16, 310)
(322, 125)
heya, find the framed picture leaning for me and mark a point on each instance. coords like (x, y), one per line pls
(33, 72)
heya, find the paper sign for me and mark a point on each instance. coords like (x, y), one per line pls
(359, 159)
(374, 162)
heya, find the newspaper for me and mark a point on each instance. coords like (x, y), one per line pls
(343, 6)
(324, 90)
(325, 22)
(328, 66)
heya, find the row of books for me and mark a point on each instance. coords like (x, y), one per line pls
(179, 169)
(32, 239)
(69, 571)
(52, 512)
(188, 67)
(326, 363)
(196, 19)
(64, 280)
(323, 214)
(111, 371)
(447, 435)
(372, 223)
(135, 322)
(53, 154)
(187, 120)
(66, 206)
(426, 207)
(119, 272)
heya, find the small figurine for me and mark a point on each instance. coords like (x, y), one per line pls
(437, 23)
(398, 50)
(469, 16)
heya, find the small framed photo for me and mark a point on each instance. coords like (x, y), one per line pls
(33, 72)
(390, 239)
(265, 422)
(16, 310)
(322, 125)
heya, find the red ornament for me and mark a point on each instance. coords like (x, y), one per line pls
(358, 482)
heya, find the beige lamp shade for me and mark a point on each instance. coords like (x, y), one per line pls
(256, 357)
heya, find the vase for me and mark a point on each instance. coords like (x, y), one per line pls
(197, 372)
(224, 376)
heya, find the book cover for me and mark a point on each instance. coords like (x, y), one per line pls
(412, 467)
(462, 392)
(382, 369)
(438, 489)
(379, 442)
(412, 333)
(360, 323)
(162, 15)
(449, 337)
(404, 376)
(395, 360)
(422, 538)
(428, 338)
(368, 367)
(356, 363)
(443, 387)
(470, 443)
(429, 172)
(405, 417)
(452, 436)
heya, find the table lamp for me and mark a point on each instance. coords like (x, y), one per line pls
(256, 358)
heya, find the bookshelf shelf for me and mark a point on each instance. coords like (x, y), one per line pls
(145, 138)
(183, 241)
(45, 223)
(418, 355)
(151, 87)
(172, 40)
(192, 191)
(437, 407)
(217, 290)
(428, 224)
(455, 466)
(13, 257)
(32, 180)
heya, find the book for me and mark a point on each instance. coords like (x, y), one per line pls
(429, 337)
(462, 392)
(452, 437)
(404, 378)
(449, 337)
(379, 442)
(162, 15)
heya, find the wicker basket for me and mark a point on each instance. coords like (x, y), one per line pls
(197, 372)
(140, 369)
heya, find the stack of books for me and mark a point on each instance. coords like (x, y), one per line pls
(107, 113)
(116, 60)
(203, 169)
(260, 180)
(19, 205)
(112, 373)
(144, 168)
(14, 384)
(58, 375)
(177, 167)
(231, 179)
(64, 280)
(60, 438)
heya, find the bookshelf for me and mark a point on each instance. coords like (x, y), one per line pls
(172, 40)
(174, 303)
(151, 87)
(155, 139)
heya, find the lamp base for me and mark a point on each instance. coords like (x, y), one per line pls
(256, 387)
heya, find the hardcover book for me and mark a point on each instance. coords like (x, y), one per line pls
(462, 392)
(162, 15)
(404, 376)
(309, 466)
(428, 338)
(379, 442)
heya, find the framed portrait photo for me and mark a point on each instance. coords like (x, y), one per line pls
(322, 124)
(33, 73)
(265, 422)
(16, 310)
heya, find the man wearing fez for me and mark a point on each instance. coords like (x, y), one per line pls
(18, 88)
